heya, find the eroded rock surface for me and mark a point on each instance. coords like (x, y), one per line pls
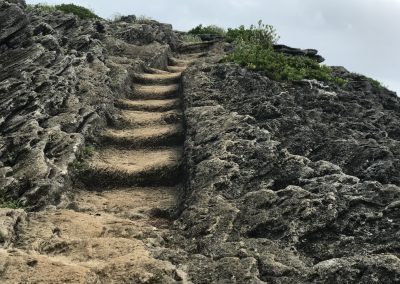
(290, 182)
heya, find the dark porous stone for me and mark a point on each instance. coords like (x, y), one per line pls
(312, 53)
(289, 182)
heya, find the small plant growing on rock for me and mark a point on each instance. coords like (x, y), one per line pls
(81, 161)
(189, 38)
(143, 20)
(209, 30)
(87, 151)
(42, 7)
(79, 11)
(374, 83)
(11, 204)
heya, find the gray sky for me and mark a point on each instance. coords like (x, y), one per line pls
(361, 35)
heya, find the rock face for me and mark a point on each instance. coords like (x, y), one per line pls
(312, 53)
(59, 78)
(144, 33)
(290, 182)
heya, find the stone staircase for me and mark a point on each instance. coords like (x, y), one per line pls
(107, 234)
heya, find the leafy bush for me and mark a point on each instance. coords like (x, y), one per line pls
(189, 38)
(209, 30)
(262, 34)
(79, 11)
(254, 49)
(374, 83)
(143, 20)
(42, 7)
(11, 204)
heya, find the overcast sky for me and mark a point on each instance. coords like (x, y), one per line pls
(361, 35)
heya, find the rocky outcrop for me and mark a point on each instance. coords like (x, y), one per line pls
(139, 33)
(290, 182)
(59, 78)
(311, 53)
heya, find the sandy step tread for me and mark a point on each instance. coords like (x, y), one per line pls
(191, 56)
(129, 202)
(96, 260)
(149, 105)
(69, 224)
(135, 161)
(176, 68)
(163, 135)
(151, 70)
(135, 118)
(113, 167)
(155, 91)
(180, 62)
(163, 78)
(144, 133)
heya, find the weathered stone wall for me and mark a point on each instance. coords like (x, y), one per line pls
(290, 183)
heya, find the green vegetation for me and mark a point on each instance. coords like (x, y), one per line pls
(143, 20)
(262, 34)
(79, 11)
(209, 30)
(42, 7)
(11, 204)
(189, 38)
(87, 151)
(254, 50)
(81, 161)
(374, 83)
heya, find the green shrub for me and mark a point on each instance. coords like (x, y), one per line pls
(143, 20)
(254, 50)
(262, 34)
(11, 204)
(42, 7)
(79, 11)
(374, 83)
(209, 30)
(189, 38)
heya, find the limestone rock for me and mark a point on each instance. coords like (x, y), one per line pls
(301, 177)
(312, 53)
